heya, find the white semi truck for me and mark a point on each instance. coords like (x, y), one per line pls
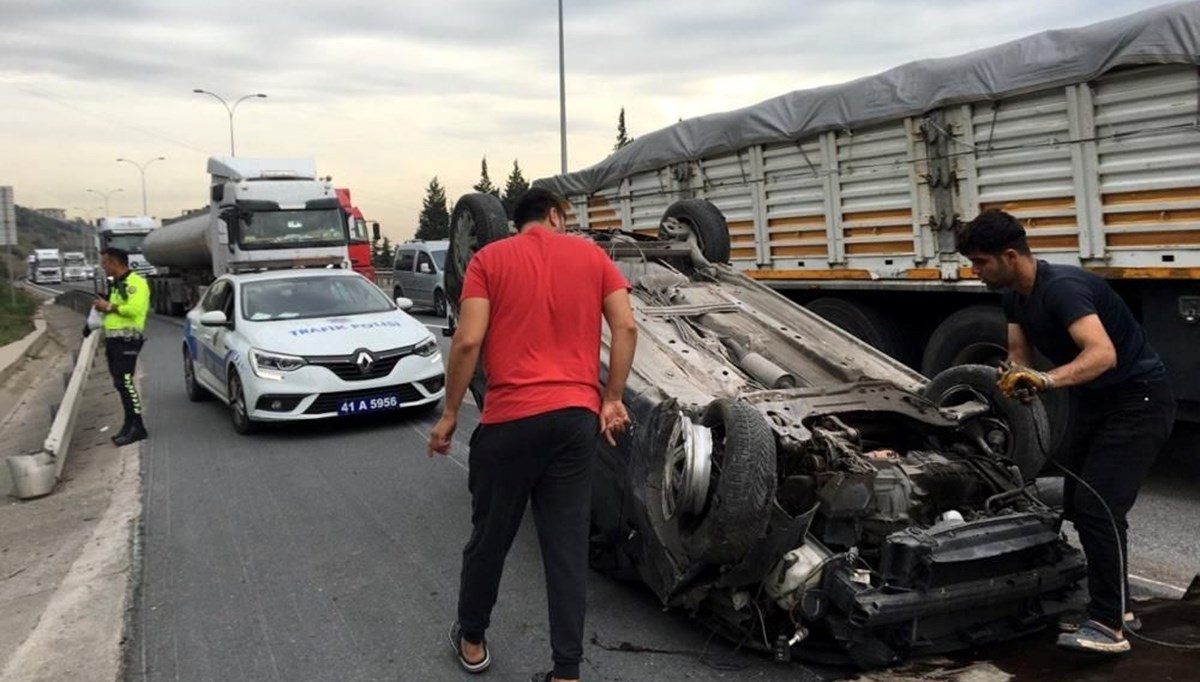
(126, 233)
(263, 214)
(46, 267)
(75, 266)
(847, 197)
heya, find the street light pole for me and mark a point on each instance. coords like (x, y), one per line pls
(106, 195)
(562, 91)
(229, 109)
(142, 169)
(84, 234)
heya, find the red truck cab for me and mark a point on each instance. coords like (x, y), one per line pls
(359, 239)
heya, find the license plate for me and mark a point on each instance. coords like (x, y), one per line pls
(376, 403)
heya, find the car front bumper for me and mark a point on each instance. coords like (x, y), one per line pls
(313, 392)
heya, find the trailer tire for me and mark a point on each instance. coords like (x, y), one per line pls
(867, 323)
(741, 488)
(978, 335)
(478, 220)
(1028, 441)
(707, 223)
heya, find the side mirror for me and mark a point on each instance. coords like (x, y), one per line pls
(213, 318)
(426, 269)
(375, 232)
(404, 303)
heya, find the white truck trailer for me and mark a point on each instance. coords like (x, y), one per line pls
(263, 214)
(847, 197)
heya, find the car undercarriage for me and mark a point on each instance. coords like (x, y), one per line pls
(799, 491)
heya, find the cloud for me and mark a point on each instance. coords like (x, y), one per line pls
(385, 95)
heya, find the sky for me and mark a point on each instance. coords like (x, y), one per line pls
(385, 96)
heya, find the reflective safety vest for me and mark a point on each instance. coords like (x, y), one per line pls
(130, 298)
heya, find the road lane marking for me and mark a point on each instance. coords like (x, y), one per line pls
(1151, 581)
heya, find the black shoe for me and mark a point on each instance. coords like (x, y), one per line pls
(122, 433)
(135, 433)
(456, 644)
(542, 677)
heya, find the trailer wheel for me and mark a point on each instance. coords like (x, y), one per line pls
(978, 335)
(742, 485)
(1020, 431)
(707, 223)
(478, 220)
(868, 324)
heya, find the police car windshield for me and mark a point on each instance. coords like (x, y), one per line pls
(306, 297)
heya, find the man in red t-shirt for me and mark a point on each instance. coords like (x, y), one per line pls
(537, 299)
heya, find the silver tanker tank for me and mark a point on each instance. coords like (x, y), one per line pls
(182, 244)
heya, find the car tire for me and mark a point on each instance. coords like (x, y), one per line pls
(1028, 442)
(195, 392)
(978, 335)
(707, 223)
(741, 488)
(478, 220)
(866, 323)
(242, 423)
(439, 303)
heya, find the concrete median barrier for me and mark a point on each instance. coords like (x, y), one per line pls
(13, 354)
(36, 475)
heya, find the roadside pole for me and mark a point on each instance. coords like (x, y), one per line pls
(8, 235)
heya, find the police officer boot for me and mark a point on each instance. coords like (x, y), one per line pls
(136, 432)
(123, 432)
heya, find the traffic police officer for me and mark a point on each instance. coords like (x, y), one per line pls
(124, 326)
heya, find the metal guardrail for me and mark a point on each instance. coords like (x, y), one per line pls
(384, 279)
(36, 475)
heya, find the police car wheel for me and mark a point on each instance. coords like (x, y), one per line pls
(242, 423)
(195, 392)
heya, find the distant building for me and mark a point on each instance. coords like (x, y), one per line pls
(55, 213)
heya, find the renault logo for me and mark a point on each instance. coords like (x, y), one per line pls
(365, 361)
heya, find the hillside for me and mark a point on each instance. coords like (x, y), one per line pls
(36, 231)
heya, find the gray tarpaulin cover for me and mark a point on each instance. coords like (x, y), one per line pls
(1167, 34)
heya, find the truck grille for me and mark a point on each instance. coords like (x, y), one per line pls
(328, 402)
(362, 364)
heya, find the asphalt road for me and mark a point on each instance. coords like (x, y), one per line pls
(331, 551)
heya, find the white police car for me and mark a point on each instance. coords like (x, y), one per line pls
(307, 344)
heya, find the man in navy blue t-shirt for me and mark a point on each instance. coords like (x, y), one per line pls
(1124, 408)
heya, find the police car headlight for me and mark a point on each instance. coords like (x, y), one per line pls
(427, 348)
(268, 365)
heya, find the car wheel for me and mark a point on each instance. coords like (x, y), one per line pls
(478, 220)
(1016, 431)
(242, 423)
(439, 303)
(707, 223)
(195, 392)
(978, 335)
(741, 485)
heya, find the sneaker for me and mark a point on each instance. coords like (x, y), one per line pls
(1072, 621)
(1092, 637)
(456, 644)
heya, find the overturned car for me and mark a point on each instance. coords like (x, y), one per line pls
(795, 489)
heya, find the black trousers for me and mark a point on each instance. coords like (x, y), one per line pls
(546, 459)
(1116, 439)
(122, 357)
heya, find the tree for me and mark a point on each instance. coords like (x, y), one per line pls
(485, 183)
(513, 189)
(623, 138)
(382, 257)
(434, 223)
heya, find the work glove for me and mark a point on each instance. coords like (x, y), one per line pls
(1022, 383)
